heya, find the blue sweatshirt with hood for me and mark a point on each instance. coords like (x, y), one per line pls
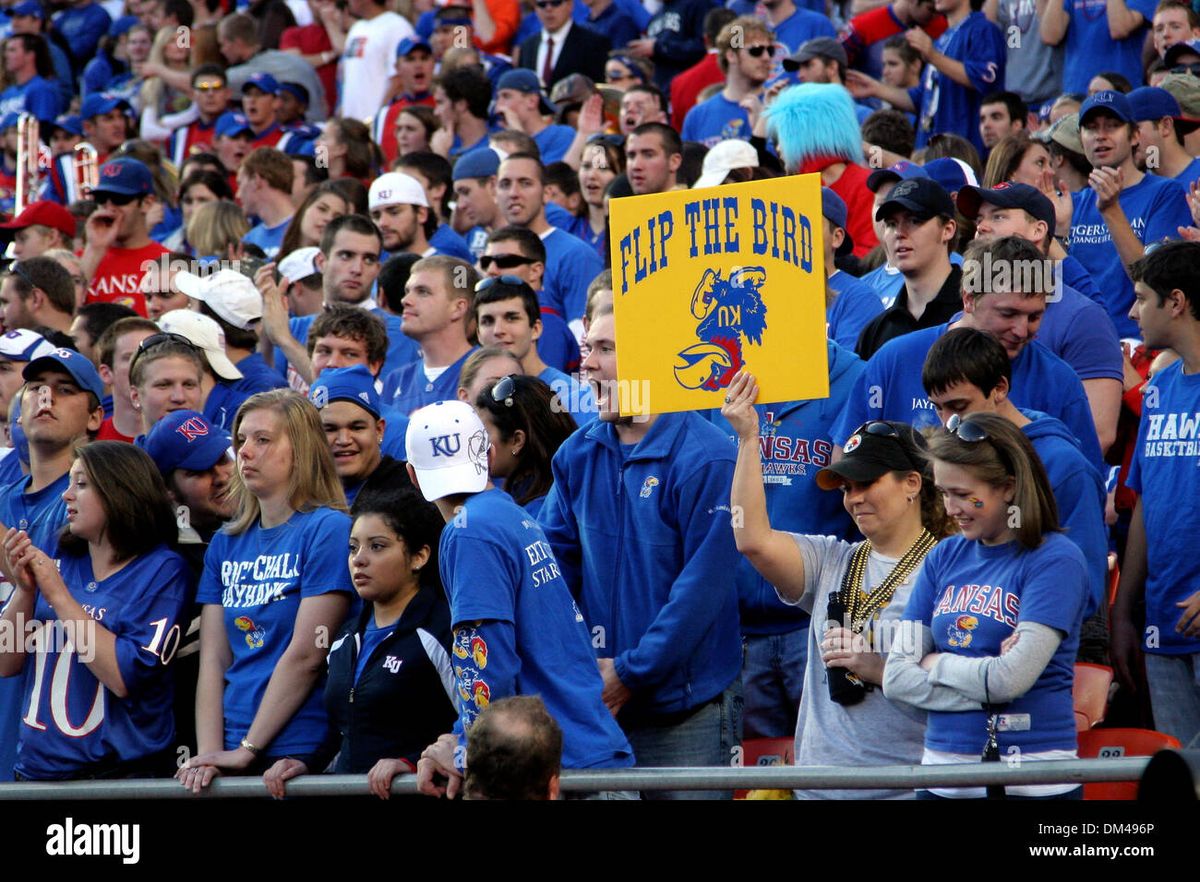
(643, 537)
(796, 441)
(1079, 492)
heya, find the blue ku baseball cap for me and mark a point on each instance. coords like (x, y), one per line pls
(184, 439)
(125, 176)
(408, 44)
(1108, 101)
(353, 383)
(262, 81)
(80, 368)
(100, 103)
(231, 124)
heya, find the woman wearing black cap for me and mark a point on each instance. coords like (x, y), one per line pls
(854, 591)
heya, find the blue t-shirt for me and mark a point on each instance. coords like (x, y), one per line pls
(891, 389)
(886, 282)
(372, 636)
(41, 515)
(269, 239)
(1189, 174)
(476, 239)
(445, 241)
(256, 376)
(575, 396)
(82, 27)
(1164, 472)
(851, 311)
(714, 120)
(944, 105)
(1079, 331)
(802, 25)
(557, 346)
(259, 578)
(409, 388)
(612, 23)
(553, 142)
(71, 719)
(38, 96)
(10, 469)
(972, 597)
(222, 403)
(570, 268)
(498, 568)
(1090, 48)
(1155, 208)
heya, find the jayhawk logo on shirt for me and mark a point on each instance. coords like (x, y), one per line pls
(648, 487)
(254, 634)
(960, 632)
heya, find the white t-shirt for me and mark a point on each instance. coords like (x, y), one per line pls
(368, 63)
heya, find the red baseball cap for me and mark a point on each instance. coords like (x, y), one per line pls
(46, 214)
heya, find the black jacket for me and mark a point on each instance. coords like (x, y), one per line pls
(401, 704)
(584, 51)
(897, 321)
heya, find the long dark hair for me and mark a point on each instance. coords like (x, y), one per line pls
(415, 521)
(291, 236)
(131, 489)
(538, 412)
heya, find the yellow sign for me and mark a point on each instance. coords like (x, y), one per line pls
(708, 281)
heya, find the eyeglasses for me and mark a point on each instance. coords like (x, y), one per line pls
(157, 340)
(757, 51)
(118, 199)
(502, 392)
(548, 4)
(505, 261)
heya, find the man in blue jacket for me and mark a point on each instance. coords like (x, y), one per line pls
(639, 521)
(797, 441)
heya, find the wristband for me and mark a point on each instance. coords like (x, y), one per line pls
(246, 745)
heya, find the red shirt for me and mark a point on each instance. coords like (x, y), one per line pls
(689, 84)
(195, 138)
(385, 124)
(118, 278)
(860, 204)
(269, 137)
(108, 432)
(312, 40)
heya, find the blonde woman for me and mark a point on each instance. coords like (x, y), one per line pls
(274, 592)
(217, 228)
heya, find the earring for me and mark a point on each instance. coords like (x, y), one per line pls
(910, 500)
(516, 450)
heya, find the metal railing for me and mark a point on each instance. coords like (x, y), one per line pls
(737, 778)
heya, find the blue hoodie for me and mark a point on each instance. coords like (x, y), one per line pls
(644, 540)
(1079, 492)
(796, 439)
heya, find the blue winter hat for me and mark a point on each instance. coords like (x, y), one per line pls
(482, 162)
(184, 439)
(812, 121)
(353, 383)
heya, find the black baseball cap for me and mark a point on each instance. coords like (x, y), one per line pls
(876, 448)
(924, 197)
(1007, 195)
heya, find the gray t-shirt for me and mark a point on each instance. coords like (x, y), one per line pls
(1032, 69)
(874, 732)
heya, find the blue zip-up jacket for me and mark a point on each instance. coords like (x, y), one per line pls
(644, 541)
(1079, 492)
(796, 441)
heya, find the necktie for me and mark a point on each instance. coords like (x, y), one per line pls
(548, 64)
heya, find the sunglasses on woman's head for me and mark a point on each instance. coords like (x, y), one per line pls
(972, 433)
(502, 392)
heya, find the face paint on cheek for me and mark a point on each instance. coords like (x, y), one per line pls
(975, 501)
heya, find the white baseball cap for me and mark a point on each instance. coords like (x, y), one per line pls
(300, 264)
(722, 159)
(447, 446)
(24, 345)
(396, 188)
(205, 334)
(231, 295)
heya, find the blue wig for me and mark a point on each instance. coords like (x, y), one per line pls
(814, 121)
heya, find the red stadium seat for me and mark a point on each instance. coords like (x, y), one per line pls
(1092, 683)
(1104, 743)
(766, 752)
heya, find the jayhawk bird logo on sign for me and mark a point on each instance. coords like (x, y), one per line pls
(728, 310)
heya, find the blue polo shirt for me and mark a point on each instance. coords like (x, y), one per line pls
(409, 388)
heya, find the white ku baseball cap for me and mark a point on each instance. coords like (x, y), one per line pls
(205, 335)
(228, 293)
(396, 188)
(447, 446)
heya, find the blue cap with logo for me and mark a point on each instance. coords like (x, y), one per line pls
(353, 383)
(231, 124)
(901, 171)
(22, 344)
(184, 439)
(262, 81)
(100, 103)
(80, 368)
(408, 44)
(125, 176)
(1107, 101)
